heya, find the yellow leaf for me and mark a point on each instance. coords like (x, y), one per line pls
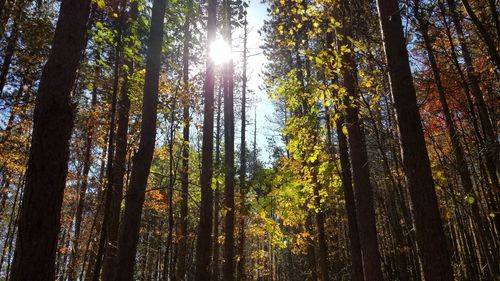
(101, 4)
(344, 130)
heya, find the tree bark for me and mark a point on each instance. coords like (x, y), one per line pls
(103, 240)
(134, 200)
(350, 205)
(485, 35)
(120, 157)
(491, 149)
(429, 230)
(216, 249)
(243, 161)
(9, 54)
(39, 221)
(363, 190)
(203, 242)
(85, 179)
(183, 223)
(454, 136)
(228, 266)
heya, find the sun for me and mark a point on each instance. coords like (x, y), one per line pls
(220, 52)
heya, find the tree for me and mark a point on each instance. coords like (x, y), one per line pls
(183, 221)
(229, 171)
(429, 230)
(203, 242)
(48, 162)
(134, 199)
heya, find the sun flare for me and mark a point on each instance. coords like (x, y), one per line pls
(220, 52)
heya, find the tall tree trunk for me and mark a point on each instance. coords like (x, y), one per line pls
(84, 184)
(215, 260)
(363, 190)
(39, 221)
(119, 162)
(485, 35)
(454, 136)
(203, 242)
(429, 230)
(134, 200)
(311, 251)
(320, 226)
(183, 222)
(103, 240)
(167, 261)
(228, 266)
(491, 149)
(243, 160)
(9, 54)
(350, 205)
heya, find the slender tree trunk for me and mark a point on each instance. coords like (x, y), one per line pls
(429, 230)
(10, 230)
(204, 239)
(311, 252)
(454, 136)
(134, 200)
(9, 54)
(320, 225)
(39, 222)
(119, 162)
(215, 262)
(491, 149)
(485, 35)
(167, 261)
(363, 190)
(350, 205)
(183, 222)
(494, 14)
(243, 161)
(84, 184)
(228, 266)
(103, 241)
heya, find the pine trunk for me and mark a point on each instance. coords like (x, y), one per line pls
(204, 241)
(39, 221)
(430, 235)
(134, 200)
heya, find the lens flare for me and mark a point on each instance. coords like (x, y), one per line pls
(220, 52)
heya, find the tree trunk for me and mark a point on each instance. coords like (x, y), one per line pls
(320, 226)
(39, 221)
(84, 184)
(120, 157)
(9, 54)
(350, 205)
(311, 252)
(215, 259)
(183, 222)
(363, 190)
(228, 267)
(485, 35)
(243, 161)
(103, 240)
(454, 136)
(429, 230)
(134, 200)
(491, 149)
(203, 242)
(167, 261)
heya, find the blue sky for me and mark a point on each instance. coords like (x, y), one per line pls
(257, 13)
